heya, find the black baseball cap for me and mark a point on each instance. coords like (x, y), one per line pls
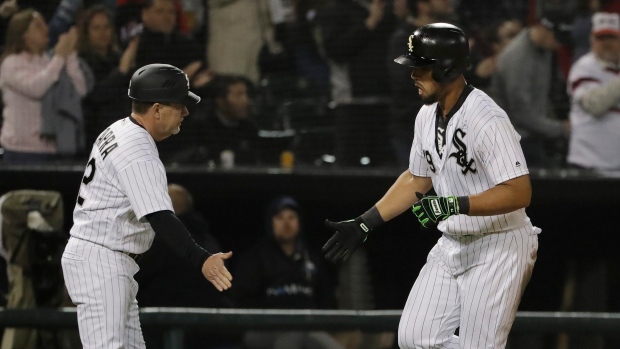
(561, 26)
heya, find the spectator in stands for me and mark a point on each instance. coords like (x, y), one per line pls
(238, 29)
(299, 34)
(281, 272)
(7, 9)
(594, 87)
(159, 265)
(411, 14)
(161, 42)
(522, 86)
(484, 66)
(582, 27)
(27, 77)
(479, 13)
(355, 38)
(222, 123)
(228, 124)
(98, 47)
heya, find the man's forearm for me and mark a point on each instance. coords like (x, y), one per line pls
(599, 100)
(504, 198)
(401, 196)
(169, 227)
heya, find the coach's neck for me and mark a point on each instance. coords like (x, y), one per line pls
(451, 93)
(147, 121)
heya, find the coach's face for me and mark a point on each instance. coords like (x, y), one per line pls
(428, 89)
(168, 118)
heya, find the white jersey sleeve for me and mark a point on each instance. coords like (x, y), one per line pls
(145, 184)
(418, 164)
(499, 150)
(123, 181)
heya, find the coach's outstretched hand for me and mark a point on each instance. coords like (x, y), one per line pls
(433, 209)
(215, 271)
(348, 236)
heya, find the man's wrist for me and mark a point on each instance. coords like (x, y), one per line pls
(370, 220)
(463, 202)
(203, 258)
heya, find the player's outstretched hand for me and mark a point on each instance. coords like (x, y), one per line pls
(215, 271)
(433, 209)
(348, 236)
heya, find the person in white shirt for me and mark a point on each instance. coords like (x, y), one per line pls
(594, 88)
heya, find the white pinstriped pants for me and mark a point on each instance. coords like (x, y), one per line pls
(474, 283)
(100, 282)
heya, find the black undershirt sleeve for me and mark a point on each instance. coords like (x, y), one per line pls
(169, 227)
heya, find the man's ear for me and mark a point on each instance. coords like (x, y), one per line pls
(156, 108)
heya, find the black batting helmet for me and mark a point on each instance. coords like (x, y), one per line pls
(441, 45)
(161, 83)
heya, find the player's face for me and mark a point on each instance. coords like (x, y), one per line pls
(428, 89)
(169, 119)
(285, 225)
(607, 48)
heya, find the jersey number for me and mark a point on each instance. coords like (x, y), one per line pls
(86, 179)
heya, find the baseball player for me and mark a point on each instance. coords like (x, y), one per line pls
(465, 148)
(123, 201)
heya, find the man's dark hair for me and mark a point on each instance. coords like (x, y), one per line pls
(149, 3)
(221, 84)
(140, 107)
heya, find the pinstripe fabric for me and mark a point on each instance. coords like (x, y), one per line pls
(492, 144)
(128, 184)
(474, 282)
(124, 181)
(100, 282)
(476, 273)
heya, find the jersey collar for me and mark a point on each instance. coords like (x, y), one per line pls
(134, 121)
(459, 103)
(441, 124)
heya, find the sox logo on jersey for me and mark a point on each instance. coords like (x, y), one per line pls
(461, 153)
(472, 262)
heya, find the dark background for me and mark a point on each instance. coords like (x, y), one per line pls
(577, 212)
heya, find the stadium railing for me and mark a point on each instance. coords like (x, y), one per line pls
(174, 321)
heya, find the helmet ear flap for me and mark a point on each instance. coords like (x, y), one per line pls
(448, 70)
(445, 71)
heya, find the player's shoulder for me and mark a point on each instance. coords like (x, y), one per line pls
(482, 110)
(125, 142)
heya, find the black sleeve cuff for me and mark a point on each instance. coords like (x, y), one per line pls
(169, 227)
(372, 218)
(463, 204)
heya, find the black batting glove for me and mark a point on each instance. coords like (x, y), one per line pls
(349, 235)
(434, 209)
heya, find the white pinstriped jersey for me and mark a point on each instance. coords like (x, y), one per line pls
(482, 150)
(594, 141)
(124, 181)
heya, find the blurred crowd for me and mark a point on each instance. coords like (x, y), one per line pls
(305, 82)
